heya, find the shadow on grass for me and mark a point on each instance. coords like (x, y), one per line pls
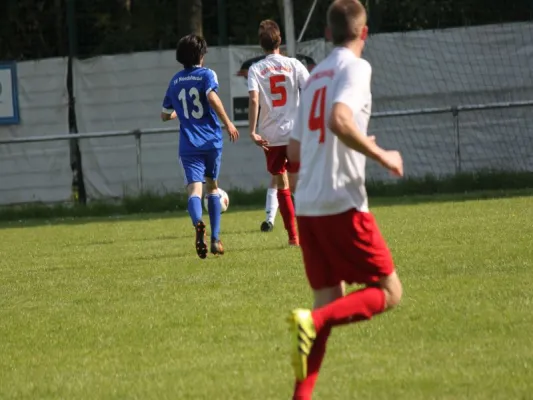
(450, 197)
(165, 256)
(255, 249)
(457, 188)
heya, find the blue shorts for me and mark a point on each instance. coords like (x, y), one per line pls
(201, 165)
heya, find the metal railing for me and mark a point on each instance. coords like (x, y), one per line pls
(138, 133)
(109, 134)
(455, 110)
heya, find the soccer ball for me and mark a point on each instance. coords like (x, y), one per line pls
(224, 201)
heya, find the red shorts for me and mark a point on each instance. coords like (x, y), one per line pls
(343, 247)
(277, 161)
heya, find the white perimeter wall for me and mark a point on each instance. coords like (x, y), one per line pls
(410, 71)
(37, 172)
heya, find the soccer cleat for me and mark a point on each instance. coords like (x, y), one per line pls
(294, 242)
(267, 226)
(216, 247)
(201, 245)
(303, 336)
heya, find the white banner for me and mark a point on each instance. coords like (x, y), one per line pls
(9, 108)
(242, 57)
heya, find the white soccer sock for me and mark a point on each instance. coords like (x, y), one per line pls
(271, 207)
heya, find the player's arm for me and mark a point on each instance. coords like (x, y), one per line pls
(342, 124)
(353, 89)
(293, 149)
(302, 74)
(211, 89)
(253, 100)
(168, 112)
(253, 108)
(167, 117)
(216, 104)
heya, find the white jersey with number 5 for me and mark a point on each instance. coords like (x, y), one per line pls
(278, 79)
(332, 176)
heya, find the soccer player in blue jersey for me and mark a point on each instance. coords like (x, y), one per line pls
(192, 98)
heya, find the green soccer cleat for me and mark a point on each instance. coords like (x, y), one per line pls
(303, 335)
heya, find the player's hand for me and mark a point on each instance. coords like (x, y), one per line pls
(232, 132)
(258, 140)
(392, 160)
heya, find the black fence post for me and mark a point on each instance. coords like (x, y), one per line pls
(78, 187)
(374, 15)
(222, 15)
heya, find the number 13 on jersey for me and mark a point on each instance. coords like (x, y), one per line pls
(317, 115)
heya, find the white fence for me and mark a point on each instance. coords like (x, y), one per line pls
(460, 101)
(37, 171)
(246, 170)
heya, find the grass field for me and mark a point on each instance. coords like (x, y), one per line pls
(121, 308)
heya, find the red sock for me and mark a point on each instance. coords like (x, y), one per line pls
(286, 209)
(357, 306)
(304, 390)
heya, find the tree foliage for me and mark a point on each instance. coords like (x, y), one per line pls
(33, 29)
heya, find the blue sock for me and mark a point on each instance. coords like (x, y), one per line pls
(213, 205)
(195, 209)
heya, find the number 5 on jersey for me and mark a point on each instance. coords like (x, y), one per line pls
(317, 116)
(276, 89)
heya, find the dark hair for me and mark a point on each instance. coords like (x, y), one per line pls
(190, 50)
(346, 19)
(269, 35)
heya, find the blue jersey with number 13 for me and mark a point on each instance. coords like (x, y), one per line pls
(187, 94)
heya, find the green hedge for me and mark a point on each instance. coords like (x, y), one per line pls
(484, 184)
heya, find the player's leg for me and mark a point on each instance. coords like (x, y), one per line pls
(370, 262)
(364, 257)
(303, 388)
(194, 170)
(213, 161)
(360, 305)
(276, 160)
(271, 206)
(314, 327)
(306, 354)
(286, 208)
(292, 170)
(292, 175)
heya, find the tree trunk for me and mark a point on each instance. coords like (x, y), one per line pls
(190, 17)
(281, 10)
(60, 28)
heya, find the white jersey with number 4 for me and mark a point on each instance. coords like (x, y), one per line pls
(332, 176)
(278, 79)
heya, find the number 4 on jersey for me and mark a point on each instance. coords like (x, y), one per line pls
(317, 116)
